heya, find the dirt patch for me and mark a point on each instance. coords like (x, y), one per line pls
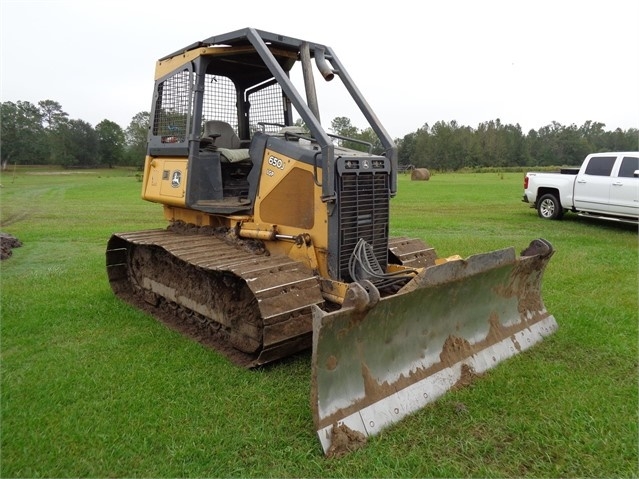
(14, 218)
(344, 440)
(8, 242)
(468, 376)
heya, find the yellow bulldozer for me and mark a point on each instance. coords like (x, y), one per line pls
(278, 240)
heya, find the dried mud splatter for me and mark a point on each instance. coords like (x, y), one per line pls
(468, 376)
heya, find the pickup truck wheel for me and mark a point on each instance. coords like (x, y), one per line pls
(549, 207)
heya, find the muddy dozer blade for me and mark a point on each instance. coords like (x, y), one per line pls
(374, 365)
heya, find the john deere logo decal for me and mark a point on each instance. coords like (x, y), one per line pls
(176, 178)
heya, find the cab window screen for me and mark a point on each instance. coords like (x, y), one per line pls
(172, 108)
(220, 101)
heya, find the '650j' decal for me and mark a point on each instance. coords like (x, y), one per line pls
(276, 163)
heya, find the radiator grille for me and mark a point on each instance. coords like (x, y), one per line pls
(364, 212)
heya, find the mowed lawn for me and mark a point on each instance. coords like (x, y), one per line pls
(91, 387)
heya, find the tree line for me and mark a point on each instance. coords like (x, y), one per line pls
(449, 146)
(44, 134)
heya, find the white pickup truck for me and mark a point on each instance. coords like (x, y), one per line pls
(606, 186)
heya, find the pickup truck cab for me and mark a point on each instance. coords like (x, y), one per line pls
(606, 186)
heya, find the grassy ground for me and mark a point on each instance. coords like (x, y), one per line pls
(92, 387)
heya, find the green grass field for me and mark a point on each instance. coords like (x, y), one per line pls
(94, 388)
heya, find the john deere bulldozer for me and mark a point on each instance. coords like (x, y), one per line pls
(278, 240)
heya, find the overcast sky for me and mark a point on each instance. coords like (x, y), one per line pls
(416, 62)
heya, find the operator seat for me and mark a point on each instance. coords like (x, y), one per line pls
(220, 136)
(223, 133)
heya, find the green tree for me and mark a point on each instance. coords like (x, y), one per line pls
(55, 122)
(447, 151)
(76, 144)
(573, 146)
(369, 136)
(52, 114)
(422, 157)
(136, 136)
(492, 144)
(515, 145)
(299, 122)
(342, 127)
(544, 148)
(60, 145)
(406, 149)
(22, 138)
(467, 148)
(594, 134)
(620, 140)
(84, 140)
(111, 142)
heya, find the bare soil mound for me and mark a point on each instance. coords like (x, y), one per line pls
(8, 242)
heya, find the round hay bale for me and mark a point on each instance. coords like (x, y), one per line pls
(420, 174)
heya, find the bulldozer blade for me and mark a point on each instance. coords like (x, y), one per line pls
(372, 366)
